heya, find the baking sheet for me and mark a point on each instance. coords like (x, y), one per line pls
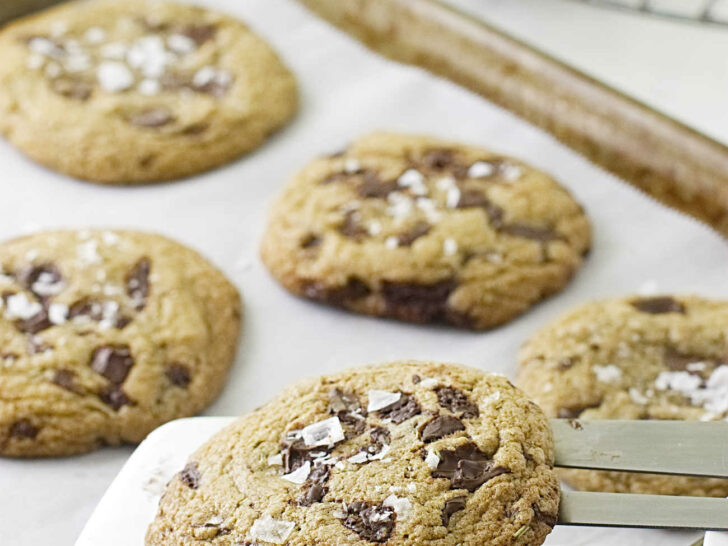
(639, 246)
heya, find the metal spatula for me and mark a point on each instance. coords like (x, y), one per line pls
(658, 447)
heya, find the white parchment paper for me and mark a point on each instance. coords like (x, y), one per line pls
(346, 91)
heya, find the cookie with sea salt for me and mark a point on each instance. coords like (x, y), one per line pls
(137, 91)
(403, 453)
(663, 357)
(105, 335)
(424, 230)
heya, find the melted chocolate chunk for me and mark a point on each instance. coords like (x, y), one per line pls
(178, 374)
(312, 493)
(419, 303)
(72, 88)
(315, 488)
(137, 283)
(467, 467)
(372, 522)
(36, 323)
(416, 379)
(45, 275)
(418, 230)
(199, 33)
(113, 362)
(354, 289)
(476, 198)
(439, 427)
(23, 428)
(295, 453)
(438, 159)
(115, 397)
(94, 310)
(311, 241)
(351, 227)
(549, 519)
(451, 506)
(380, 436)
(190, 475)
(535, 233)
(66, 379)
(151, 118)
(371, 186)
(343, 401)
(457, 402)
(658, 305)
(404, 408)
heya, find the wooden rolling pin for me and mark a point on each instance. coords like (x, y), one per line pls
(665, 158)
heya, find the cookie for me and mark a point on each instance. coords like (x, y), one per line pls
(663, 357)
(424, 231)
(138, 91)
(403, 453)
(105, 335)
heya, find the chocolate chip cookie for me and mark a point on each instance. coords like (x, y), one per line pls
(138, 91)
(105, 335)
(663, 357)
(424, 231)
(404, 453)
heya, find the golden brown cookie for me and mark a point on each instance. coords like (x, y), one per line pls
(105, 335)
(663, 357)
(423, 230)
(405, 453)
(138, 91)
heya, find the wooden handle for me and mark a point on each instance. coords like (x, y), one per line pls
(670, 161)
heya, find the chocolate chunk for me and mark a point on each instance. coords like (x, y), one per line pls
(451, 506)
(439, 427)
(354, 289)
(351, 227)
(419, 303)
(178, 374)
(369, 185)
(72, 88)
(23, 428)
(541, 234)
(416, 379)
(457, 402)
(658, 305)
(311, 241)
(215, 87)
(340, 401)
(36, 323)
(137, 283)
(438, 159)
(295, 453)
(190, 475)
(549, 519)
(199, 33)
(113, 362)
(677, 361)
(467, 467)
(151, 117)
(65, 379)
(380, 436)
(94, 310)
(115, 397)
(404, 408)
(312, 494)
(42, 280)
(418, 230)
(372, 522)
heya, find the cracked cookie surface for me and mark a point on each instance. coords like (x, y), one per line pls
(138, 91)
(423, 230)
(657, 357)
(105, 335)
(403, 453)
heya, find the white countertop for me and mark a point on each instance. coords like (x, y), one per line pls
(346, 90)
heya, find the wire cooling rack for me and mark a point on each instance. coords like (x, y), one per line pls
(693, 11)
